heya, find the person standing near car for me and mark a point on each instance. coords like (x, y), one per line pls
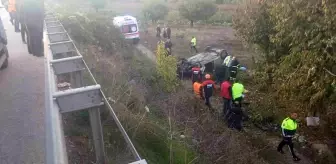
(168, 46)
(158, 31)
(168, 32)
(193, 44)
(208, 88)
(226, 94)
(238, 91)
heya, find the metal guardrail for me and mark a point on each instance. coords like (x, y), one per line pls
(62, 57)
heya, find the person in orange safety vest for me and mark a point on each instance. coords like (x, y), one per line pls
(198, 89)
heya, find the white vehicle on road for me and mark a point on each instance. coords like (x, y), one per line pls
(128, 26)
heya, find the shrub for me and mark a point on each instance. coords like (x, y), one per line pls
(195, 10)
(166, 68)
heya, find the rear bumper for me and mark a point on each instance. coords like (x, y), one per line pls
(132, 36)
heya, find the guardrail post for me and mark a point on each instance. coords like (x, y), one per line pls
(97, 132)
(95, 121)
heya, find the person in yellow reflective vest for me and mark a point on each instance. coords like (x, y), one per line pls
(238, 91)
(288, 126)
(193, 44)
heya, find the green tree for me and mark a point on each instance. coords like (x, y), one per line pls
(195, 10)
(155, 10)
(298, 40)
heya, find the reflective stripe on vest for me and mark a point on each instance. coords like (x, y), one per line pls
(289, 124)
(227, 60)
(237, 90)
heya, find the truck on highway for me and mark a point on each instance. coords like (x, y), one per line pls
(3, 47)
(128, 26)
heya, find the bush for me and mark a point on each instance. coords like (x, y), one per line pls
(166, 68)
(195, 10)
(155, 10)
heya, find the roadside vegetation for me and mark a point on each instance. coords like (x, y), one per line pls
(293, 71)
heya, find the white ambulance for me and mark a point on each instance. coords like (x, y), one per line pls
(128, 26)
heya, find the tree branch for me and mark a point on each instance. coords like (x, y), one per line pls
(329, 72)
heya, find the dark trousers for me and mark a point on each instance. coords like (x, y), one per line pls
(287, 141)
(207, 101)
(193, 48)
(226, 107)
(15, 21)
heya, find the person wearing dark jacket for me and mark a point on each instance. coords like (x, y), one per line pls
(158, 31)
(226, 94)
(288, 127)
(33, 11)
(168, 46)
(168, 32)
(233, 66)
(208, 88)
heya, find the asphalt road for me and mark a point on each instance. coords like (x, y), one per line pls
(22, 124)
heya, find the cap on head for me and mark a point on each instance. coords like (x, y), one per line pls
(207, 76)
